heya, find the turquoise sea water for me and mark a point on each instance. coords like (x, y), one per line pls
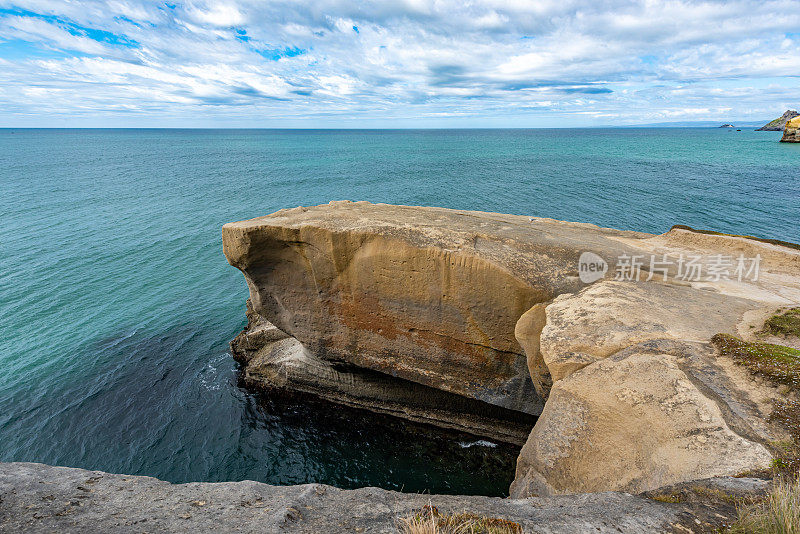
(117, 305)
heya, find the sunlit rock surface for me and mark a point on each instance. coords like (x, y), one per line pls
(473, 320)
(791, 132)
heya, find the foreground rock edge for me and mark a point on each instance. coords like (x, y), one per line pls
(39, 498)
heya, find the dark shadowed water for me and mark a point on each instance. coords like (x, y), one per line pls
(116, 304)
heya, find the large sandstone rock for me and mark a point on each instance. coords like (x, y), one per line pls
(427, 295)
(36, 498)
(639, 397)
(472, 320)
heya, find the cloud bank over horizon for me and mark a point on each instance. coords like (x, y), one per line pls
(329, 63)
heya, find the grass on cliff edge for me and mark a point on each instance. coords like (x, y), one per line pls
(779, 513)
(429, 520)
(786, 324)
(782, 365)
(773, 362)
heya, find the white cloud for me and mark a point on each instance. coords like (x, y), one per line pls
(216, 14)
(611, 59)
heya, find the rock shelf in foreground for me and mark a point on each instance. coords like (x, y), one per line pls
(36, 498)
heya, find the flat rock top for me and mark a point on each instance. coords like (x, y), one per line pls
(434, 223)
(543, 252)
(539, 250)
(40, 498)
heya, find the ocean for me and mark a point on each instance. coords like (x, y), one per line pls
(117, 304)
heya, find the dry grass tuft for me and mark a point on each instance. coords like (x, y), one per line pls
(429, 520)
(779, 513)
(671, 498)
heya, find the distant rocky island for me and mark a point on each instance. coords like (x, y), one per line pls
(777, 125)
(727, 126)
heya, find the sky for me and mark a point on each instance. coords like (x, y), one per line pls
(411, 63)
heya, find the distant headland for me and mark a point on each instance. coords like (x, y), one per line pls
(777, 125)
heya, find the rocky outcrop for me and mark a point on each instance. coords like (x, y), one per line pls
(643, 418)
(37, 498)
(426, 295)
(640, 398)
(791, 132)
(473, 320)
(777, 125)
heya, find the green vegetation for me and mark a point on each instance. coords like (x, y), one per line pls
(779, 513)
(779, 364)
(786, 324)
(774, 362)
(429, 520)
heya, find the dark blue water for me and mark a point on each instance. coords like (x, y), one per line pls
(117, 305)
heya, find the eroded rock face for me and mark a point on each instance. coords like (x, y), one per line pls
(791, 132)
(638, 420)
(472, 320)
(640, 398)
(273, 359)
(427, 295)
(610, 315)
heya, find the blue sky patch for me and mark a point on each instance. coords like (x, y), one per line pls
(277, 53)
(101, 36)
